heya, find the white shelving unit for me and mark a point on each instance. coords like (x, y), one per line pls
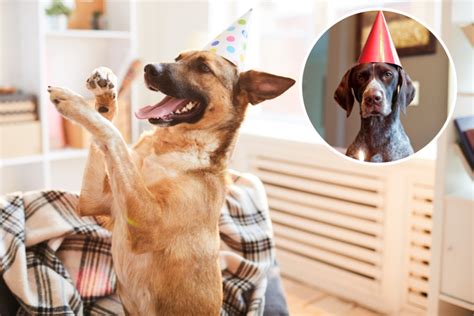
(90, 34)
(452, 270)
(64, 58)
(451, 290)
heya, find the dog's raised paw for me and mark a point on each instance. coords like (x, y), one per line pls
(59, 95)
(102, 81)
(66, 101)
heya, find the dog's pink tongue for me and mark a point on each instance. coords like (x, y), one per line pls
(165, 107)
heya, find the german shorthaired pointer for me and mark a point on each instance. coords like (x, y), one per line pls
(382, 90)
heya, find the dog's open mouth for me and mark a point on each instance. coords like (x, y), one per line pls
(172, 110)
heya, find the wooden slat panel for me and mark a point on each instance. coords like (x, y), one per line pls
(326, 230)
(420, 241)
(420, 192)
(419, 285)
(319, 174)
(328, 257)
(418, 299)
(420, 238)
(321, 275)
(419, 268)
(340, 206)
(421, 222)
(327, 217)
(305, 157)
(321, 188)
(423, 207)
(341, 248)
(420, 253)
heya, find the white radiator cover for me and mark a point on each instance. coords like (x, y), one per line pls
(362, 233)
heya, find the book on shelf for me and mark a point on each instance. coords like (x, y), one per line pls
(16, 117)
(465, 130)
(17, 107)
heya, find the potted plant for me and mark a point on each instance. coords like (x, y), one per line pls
(57, 14)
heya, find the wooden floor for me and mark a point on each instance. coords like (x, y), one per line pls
(305, 300)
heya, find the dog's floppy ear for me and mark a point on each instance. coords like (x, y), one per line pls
(406, 90)
(261, 86)
(343, 94)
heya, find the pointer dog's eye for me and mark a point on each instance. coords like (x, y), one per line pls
(204, 68)
(388, 74)
(361, 77)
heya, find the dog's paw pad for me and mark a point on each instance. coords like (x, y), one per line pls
(102, 81)
(103, 109)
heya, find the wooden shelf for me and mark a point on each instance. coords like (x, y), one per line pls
(59, 154)
(91, 34)
(22, 160)
(67, 153)
(457, 302)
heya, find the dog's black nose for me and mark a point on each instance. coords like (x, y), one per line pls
(375, 97)
(151, 70)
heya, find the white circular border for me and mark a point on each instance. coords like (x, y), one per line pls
(448, 117)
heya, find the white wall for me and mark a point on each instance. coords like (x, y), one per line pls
(2, 41)
(166, 28)
(7, 29)
(19, 47)
(462, 52)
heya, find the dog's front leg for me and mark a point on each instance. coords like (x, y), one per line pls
(96, 195)
(139, 208)
(73, 107)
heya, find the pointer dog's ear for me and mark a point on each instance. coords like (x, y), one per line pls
(343, 94)
(406, 90)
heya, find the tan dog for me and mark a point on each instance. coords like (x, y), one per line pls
(165, 194)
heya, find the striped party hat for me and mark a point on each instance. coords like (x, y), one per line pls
(232, 43)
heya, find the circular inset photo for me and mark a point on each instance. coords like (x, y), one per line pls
(376, 86)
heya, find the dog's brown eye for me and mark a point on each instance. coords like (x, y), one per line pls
(360, 77)
(204, 68)
(388, 74)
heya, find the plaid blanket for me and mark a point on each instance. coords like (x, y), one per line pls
(57, 263)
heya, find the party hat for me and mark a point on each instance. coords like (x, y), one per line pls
(232, 43)
(379, 46)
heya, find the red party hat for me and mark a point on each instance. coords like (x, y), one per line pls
(379, 46)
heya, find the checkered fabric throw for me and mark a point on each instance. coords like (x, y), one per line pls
(57, 263)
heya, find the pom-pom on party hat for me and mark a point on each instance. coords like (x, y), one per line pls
(232, 43)
(379, 46)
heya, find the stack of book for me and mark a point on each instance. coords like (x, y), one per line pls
(20, 129)
(17, 107)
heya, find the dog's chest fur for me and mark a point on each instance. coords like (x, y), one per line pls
(134, 270)
(158, 158)
(150, 272)
(381, 140)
